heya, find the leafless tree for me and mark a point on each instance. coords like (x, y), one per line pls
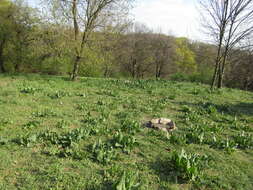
(86, 17)
(163, 50)
(229, 22)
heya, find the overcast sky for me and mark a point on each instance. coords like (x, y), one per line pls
(177, 17)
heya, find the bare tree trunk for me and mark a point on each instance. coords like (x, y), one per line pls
(106, 71)
(2, 69)
(157, 71)
(217, 65)
(222, 69)
(220, 78)
(17, 68)
(76, 68)
(217, 69)
(18, 60)
(133, 68)
(76, 28)
(222, 28)
(246, 83)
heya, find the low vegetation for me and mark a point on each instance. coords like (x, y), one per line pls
(90, 134)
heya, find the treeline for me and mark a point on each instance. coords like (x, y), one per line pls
(30, 43)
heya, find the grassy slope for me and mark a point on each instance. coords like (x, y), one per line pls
(50, 100)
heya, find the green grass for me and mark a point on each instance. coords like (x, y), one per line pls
(89, 135)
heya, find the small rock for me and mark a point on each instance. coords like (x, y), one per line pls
(163, 124)
(164, 121)
(155, 121)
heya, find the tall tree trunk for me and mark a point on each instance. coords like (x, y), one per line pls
(246, 83)
(133, 68)
(2, 69)
(220, 77)
(221, 37)
(75, 68)
(161, 66)
(76, 28)
(106, 71)
(222, 69)
(18, 60)
(157, 71)
(217, 65)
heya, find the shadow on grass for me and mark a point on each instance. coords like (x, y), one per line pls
(164, 169)
(104, 186)
(239, 109)
(244, 108)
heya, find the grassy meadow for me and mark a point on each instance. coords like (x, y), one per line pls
(90, 135)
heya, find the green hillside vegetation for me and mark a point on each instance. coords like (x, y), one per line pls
(45, 40)
(90, 135)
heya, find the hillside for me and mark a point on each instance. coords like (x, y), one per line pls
(89, 134)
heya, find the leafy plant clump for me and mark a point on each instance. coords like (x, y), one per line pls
(128, 181)
(130, 126)
(3, 141)
(228, 145)
(188, 166)
(63, 124)
(103, 153)
(176, 138)
(125, 142)
(64, 140)
(45, 113)
(26, 140)
(29, 90)
(59, 94)
(31, 124)
(244, 140)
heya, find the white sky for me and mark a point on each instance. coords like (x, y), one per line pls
(176, 17)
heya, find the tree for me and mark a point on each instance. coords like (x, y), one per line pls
(163, 49)
(52, 49)
(204, 54)
(136, 53)
(6, 22)
(185, 57)
(229, 22)
(25, 21)
(17, 23)
(87, 16)
(241, 69)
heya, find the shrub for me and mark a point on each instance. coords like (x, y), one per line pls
(179, 77)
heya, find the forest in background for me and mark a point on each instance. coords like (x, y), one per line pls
(33, 41)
